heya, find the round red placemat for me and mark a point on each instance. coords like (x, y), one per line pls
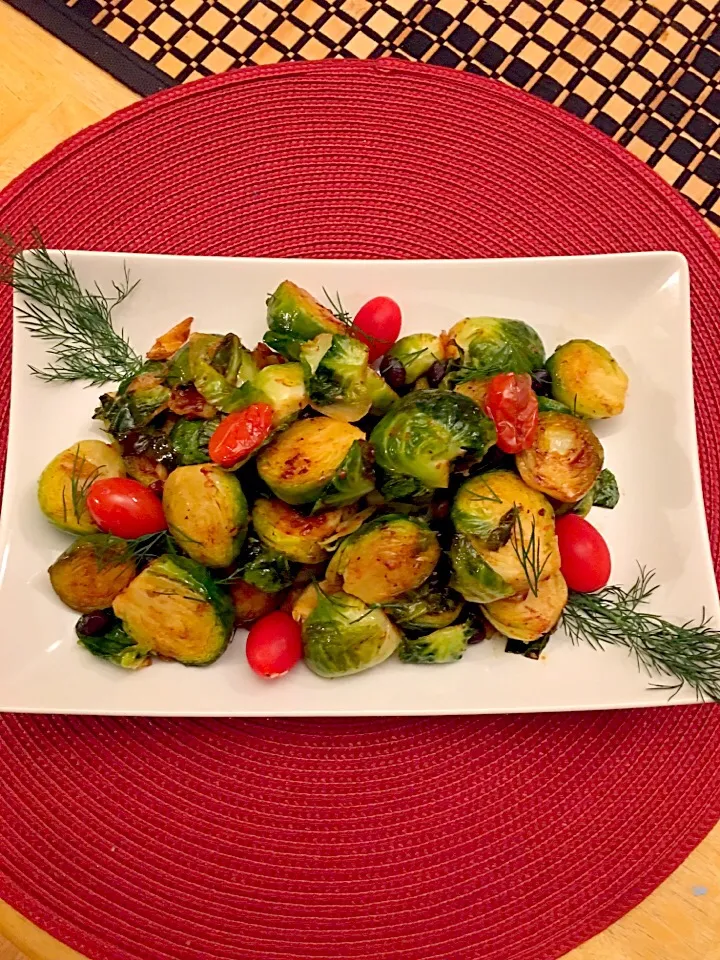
(508, 838)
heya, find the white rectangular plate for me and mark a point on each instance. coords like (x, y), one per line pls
(636, 304)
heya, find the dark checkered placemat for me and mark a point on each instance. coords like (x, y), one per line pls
(647, 74)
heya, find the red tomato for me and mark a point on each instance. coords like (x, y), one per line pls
(274, 644)
(380, 319)
(240, 434)
(513, 406)
(125, 508)
(584, 555)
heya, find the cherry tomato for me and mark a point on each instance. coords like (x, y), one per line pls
(584, 555)
(513, 406)
(380, 319)
(125, 508)
(274, 644)
(240, 434)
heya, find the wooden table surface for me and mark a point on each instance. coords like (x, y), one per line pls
(47, 93)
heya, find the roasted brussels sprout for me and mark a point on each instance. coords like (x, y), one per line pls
(529, 617)
(385, 558)
(491, 345)
(175, 610)
(114, 645)
(485, 506)
(250, 602)
(431, 607)
(477, 389)
(564, 460)
(299, 538)
(588, 380)
(335, 368)
(64, 483)
(417, 353)
(222, 391)
(282, 385)
(318, 461)
(382, 395)
(440, 646)
(265, 568)
(293, 317)
(206, 513)
(425, 431)
(92, 572)
(472, 577)
(605, 491)
(342, 635)
(190, 439)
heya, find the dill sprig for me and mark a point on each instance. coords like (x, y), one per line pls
(528, 551)
(688, 652)
(75, 322)
(80, 483)
(343, 316)
(492, 496)
(110, 549)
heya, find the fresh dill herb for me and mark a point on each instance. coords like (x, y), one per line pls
(688, 652)
(492, 496)
(528, 551)
(110, 549)
(337, 309)
(75, 322)
(80, 483)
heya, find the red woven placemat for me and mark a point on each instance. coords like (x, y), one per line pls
(508, 838)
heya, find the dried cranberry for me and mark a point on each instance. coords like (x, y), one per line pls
(393, 372)
(435, 373)
(93, 624)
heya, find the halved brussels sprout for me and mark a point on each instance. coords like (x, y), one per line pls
(92, 572)
(208, 358)
(417, 353)
(207, 513)
(335, 368)
(291, 533)
(115, 646)
(282, 385)
(318, 461)
(265, 568)
(564, 460)
(484, 506)
(342, 635)
(294, 316)
(175, 610)
(441, 646)
(382, 395)
(477, 389)
(250, 602)
(385, 558)
(587, 379)
(64, 483)
(190, 439)
(529, 617)
(472, 577)
(491, 345)
(428, 429)
(431, 607)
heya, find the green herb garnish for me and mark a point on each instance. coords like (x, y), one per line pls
(688, 652)
(75, 322)
(528, 551)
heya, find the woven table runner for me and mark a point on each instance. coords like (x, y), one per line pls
(647, 74)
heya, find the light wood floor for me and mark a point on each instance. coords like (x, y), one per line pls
(47, 93)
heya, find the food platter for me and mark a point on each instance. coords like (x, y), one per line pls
(635, 304)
